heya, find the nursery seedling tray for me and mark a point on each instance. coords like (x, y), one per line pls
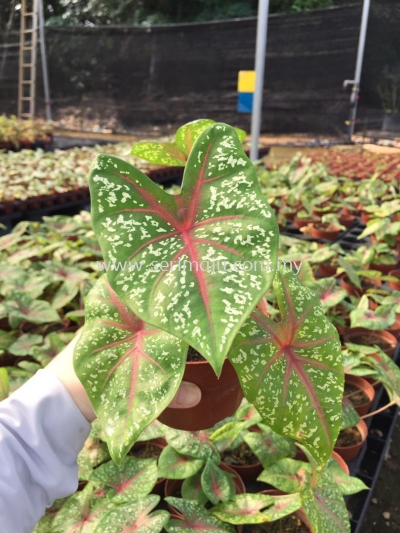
(368, 464)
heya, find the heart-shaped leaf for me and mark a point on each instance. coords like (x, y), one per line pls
(283, 475)
(179, 257)
(134, 516)
(22, 307)
(347, 484)
(131, 481)
(217, 484)
(81, 513)
(244, 509)
(195, 518)
(324, 505)
(196, 445)
(131, 371)
(292, 370)
(25, 343)
(268, 446)
(174, 465)
(192, 489)
(177, 152)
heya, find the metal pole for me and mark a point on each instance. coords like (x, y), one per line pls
(47, 101)
(262, 27)
(357, 76)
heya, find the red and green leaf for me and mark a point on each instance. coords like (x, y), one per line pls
(284, 474)
(292, 370)
(350, 417)
(135, 517)
(195, 518)
(131, 481)
(174, 465)
(244, 509)
(130, 370)
(347, 484)
(323, 505)
(198, 444)
(177, 152)
(22, 307)
(217, 484)
(25, 343)
(81, 513)
(192, 489)
(268, 446)
(219, 220)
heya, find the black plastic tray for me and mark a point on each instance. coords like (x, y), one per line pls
(367, 465)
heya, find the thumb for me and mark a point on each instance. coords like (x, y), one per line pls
(188, 395)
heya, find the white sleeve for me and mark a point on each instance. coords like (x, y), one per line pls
(41, 433)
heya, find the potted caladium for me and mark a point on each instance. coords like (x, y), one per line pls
(189, 270)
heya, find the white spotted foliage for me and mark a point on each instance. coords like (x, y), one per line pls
(130, 370)
(219, 223)
(134, 516)
(292, 370)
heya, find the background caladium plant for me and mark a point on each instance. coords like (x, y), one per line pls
(292, 370)
(220, 219)
(176, 153)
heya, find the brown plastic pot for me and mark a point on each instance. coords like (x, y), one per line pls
(363, 385)
(354, 335)
(326, 270)
(356, 291)
(220, 397)
(384, 269)
(394, 329)
(348, 453)
(395, 284)
(172, 486)
(320, 233)
(346, 220)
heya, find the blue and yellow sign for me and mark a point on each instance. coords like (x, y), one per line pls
(246, 87)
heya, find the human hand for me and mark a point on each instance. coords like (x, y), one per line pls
(62, 367)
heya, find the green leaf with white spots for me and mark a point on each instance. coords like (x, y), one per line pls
(388, 373)
(244, 509)
(225, 436)
(176, 153)
(292, 370)
(350, 417)
(6, 339)
(283, 475)
(192, 489)
(131, 481)
(25, 343)
(217, 484)
(131, 371)
(81, 513)
(324, 505)
(381, 318)
(174, 465)
(134, 516)
(21, 307)
(195, 518)
(181, 262)
(268, 446)
(283, 506)
(328, 292)
(198, 445)
(347, 484)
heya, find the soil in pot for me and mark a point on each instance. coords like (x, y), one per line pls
(220, 397)
(360, 393)
(288, 524)
(351, 440)
(383, 339)
(243, 461)
(348, 437)
(150, 450)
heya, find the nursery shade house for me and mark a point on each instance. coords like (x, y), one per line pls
(269, 276)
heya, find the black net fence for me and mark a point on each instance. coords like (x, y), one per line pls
(131, 76)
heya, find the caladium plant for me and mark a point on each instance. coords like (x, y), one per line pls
(189, 269)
